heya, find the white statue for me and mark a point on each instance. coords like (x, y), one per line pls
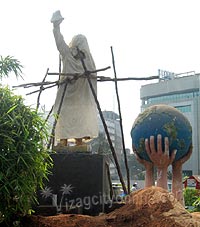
(78, 115)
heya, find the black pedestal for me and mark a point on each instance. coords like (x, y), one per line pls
(78, 183)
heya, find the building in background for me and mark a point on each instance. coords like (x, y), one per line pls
(113, 125)
(182, 92)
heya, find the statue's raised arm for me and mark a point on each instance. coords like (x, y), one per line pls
(56, 20)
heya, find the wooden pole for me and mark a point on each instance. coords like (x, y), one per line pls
(76, 76)
(121, 125)
(106, 78)
(41, 89)
(87, 73)
(52, 136)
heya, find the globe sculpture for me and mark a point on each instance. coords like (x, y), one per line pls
(164, 120)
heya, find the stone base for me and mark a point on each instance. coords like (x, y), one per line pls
(78, 179)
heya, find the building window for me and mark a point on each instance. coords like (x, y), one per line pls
(184, 109)
(172, 98)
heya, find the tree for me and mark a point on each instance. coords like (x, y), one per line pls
(24, 159)
(8, 65)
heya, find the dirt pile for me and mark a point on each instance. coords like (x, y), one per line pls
(148, 207)
(152, 207)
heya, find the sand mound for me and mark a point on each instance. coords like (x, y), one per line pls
(152, 207)
(149, 207)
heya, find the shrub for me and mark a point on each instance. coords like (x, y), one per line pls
(190, 195)
(24, 160)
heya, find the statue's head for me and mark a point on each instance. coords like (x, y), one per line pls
(80, 41)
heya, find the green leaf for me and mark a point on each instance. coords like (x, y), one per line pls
(11, 109)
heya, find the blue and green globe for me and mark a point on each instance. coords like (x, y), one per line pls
(164, 120)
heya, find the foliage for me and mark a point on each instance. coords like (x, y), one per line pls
(8, 65)
(24, 160)
(185, 178)
(190, 196)
(196, 204)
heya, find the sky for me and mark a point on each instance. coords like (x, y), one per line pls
(145, 36)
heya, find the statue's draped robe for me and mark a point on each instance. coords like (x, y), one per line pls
(78, 115)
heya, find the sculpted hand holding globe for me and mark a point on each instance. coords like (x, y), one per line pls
(157, 151)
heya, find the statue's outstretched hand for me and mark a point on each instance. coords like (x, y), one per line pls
(56, 18)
